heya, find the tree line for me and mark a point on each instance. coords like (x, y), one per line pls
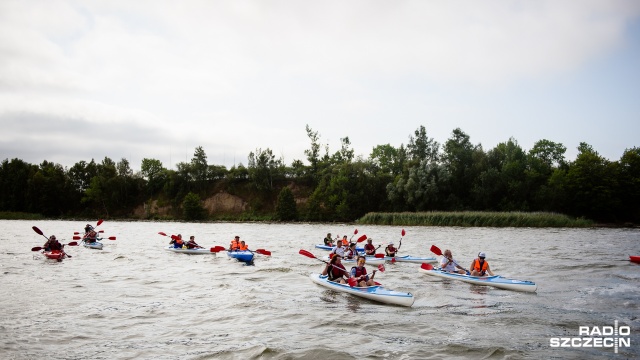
(338, 186)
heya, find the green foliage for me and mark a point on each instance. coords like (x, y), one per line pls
(286, 206)
(474, 219)
(192, 207)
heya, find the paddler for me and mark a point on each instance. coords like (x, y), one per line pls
(235, 244)
(243, 246)
(390, 250)
(335, 271)
(448, 264)
(480, 267)
(328, 241)
(369, 249)
(191, 244)
(339, 249)
(177, 241)
(351, 252)
(360, 273)
(52, 244)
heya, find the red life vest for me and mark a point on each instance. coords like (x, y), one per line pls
(360, 271)
(369, 249)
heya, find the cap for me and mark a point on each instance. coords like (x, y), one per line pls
(369, 239)
(390, 242)
(482, 255)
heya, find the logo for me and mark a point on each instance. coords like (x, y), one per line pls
(596, 337)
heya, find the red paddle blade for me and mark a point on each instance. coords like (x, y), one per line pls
(101, 231)
(175, 237)
(403, 232)
(352, 282)
(362, 238)
(263, 252)
(355, 232)
(73, 243)
(216, 249)
(111, 238)
(161, 233)
(393, 260)
(99, 222)
(37, 248)
(379, 256)
(427, 266)
(306, 253)
(381, 268)
(37, 230)
(76, 233)
(76, 238)
(436, 250)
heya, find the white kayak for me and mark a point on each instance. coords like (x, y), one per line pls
(495, 281)
(189, 251)
(375, 293)
(94, 245)
(405, 258)
(369, 260)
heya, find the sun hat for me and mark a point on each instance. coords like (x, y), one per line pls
(481, 254)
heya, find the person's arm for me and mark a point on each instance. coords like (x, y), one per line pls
(373, 274)
(489, 270)
(326, 270)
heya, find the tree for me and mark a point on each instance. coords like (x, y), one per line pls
(263, 168)
(458, 159)
(286, 206)
(192, 206)
(199, 169)
(152, 170)
(313, 154)
(421, 147)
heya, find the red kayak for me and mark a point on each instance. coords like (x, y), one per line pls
(635, 259)
(54, 254)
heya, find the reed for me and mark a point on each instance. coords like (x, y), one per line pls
(475, 219)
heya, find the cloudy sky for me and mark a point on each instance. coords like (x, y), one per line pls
(155, 79)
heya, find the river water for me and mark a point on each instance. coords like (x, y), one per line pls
(134, 300)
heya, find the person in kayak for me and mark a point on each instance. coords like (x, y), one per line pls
(448, 264)
(52, 244)
(235, 244)
(480, 267)
(328, 241)
(335, 271)
(90, 237)
(351, 252)
(369, 249)
(390, 250)
(177, 242)
(87, 228)
(360, 274)
(339, 249)
(243, 246)
(191, 244)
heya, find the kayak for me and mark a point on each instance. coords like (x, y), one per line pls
(246, 256)
(94, 245)
(375, 293)
(329, 248)
(635, 259)
(495, 281)
(370, 260)
(189, 251)
(55, 254)
(406, 258)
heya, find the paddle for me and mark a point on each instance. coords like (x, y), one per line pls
(352, 281)
(217, 249)
(35, 228)
(426, 266)
(264, 252)
(362, 238)
(354, 234)
(38, 248)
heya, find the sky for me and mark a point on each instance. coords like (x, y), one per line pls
(82, 80)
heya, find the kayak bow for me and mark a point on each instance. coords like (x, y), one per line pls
(375, 293)
(495, 281)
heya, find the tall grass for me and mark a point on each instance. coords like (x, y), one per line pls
(11, 215)
(475, 219)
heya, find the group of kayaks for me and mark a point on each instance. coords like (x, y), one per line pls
(381, 294)
(245, 256)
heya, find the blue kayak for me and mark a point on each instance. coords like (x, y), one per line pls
(246, 256)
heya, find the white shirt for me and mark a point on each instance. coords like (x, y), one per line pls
(339, 251)
(450, 267)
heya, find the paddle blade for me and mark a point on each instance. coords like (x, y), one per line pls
(37, 248)
(73, 243)
(379, 256)
(393, 260)
(99, 222)
(403, 232)
(306, 253)
(355, 232)
(111, 238)
(161, 233)
(352, 282)
(427, 266)
(381, 268)
(436, 250)
(77, 238)
(362, 238)
(101, 231)
(175, 237)
(35, 228)
(216, 249)
(76, 233)
(263, 252)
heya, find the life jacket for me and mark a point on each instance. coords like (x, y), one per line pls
(350, 254)
(90, 237)
(235, 244)
(55, 245)
(476, 266)
(359, 271)
(328, 241)
(334, 272)
(391, 250)
(245, 247)
(178, 243)
(369, 249)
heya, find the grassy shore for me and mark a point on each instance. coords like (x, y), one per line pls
(475, 219)
(9, 215)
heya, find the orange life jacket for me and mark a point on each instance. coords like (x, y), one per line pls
(235, 244)
(243, 247)
(478, 268)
